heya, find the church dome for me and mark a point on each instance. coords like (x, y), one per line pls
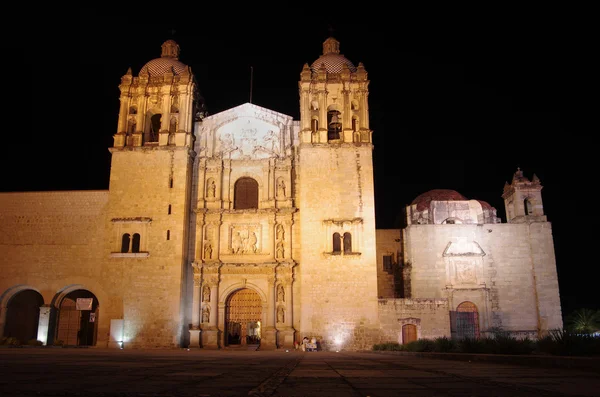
(332, 59)
(168, 62)
(422, 201)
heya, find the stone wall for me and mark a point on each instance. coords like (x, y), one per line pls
(430, 316)
(501, 260)
(338, 292)
(388, 244)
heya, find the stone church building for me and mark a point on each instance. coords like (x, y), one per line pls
(247, 227)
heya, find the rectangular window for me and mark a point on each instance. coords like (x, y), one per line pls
(387, 263)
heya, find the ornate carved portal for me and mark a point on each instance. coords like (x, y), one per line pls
(243, 314)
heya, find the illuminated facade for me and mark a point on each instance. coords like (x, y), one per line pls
(248, 227)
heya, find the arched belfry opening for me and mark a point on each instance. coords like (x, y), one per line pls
(76, 319)
(243, 316)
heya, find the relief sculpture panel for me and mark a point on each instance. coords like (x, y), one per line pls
(245, 239)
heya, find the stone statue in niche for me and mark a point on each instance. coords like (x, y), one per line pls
(206, 294)
(280, 232)
(280, 315)
(281, 188)
(280, 294)
(211, 189)
(205, 314)
(279, 250)
(207, 250)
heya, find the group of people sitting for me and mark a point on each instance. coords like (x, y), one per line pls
(307, 345)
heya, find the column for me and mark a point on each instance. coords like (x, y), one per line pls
(43, 324)
(195, 329)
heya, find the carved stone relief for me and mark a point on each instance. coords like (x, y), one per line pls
(280, 293)
(245, 239)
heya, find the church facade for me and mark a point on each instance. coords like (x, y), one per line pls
(247, 227)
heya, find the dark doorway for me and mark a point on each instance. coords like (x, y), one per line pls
(23, 315)
(77, 319)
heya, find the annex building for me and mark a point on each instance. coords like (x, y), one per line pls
(249, 227)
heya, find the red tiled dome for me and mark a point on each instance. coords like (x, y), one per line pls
(422, 201)
(485, 205)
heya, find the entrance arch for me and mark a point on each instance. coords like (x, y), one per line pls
(77, 318)
(467, 321)
(23, 315)
(243, 314)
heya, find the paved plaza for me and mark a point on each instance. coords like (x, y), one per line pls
(179, 372)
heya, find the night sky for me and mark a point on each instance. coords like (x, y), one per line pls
(455, 102)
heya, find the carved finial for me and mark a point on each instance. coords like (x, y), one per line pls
(129, 73)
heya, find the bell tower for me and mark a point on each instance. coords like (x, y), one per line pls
(148, 211)
(337, 272)
(523, 199)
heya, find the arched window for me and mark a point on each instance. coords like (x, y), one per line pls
(154, 129)
(246, 194)
(467, 321)
(132, 110)
(334, 124)
(337, 243)
(347, 243)
(135, 244)
(125, 240)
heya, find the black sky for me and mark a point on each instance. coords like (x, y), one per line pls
(456, 101)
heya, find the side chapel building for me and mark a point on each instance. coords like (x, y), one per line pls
(248, 227)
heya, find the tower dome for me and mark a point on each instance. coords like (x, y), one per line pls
(168, 61)
(332, 59)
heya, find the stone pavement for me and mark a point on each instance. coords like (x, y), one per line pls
(166, 373)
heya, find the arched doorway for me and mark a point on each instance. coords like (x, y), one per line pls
(409, 333)
(243, 314)
(467, 321)
(77, 319)
(23, 315)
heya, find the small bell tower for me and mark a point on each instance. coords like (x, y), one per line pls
(523, 199)
(333, 99)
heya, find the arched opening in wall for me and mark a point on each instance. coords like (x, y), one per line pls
(153, 127)
(125, 241)
(243, 313)
(528, 206)
(347, 243)
(334, 124)
(23, 315)
(77, 319)
(337, 243)
(245, 194)
(409, 333)
(135, 243)
(465, 321)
